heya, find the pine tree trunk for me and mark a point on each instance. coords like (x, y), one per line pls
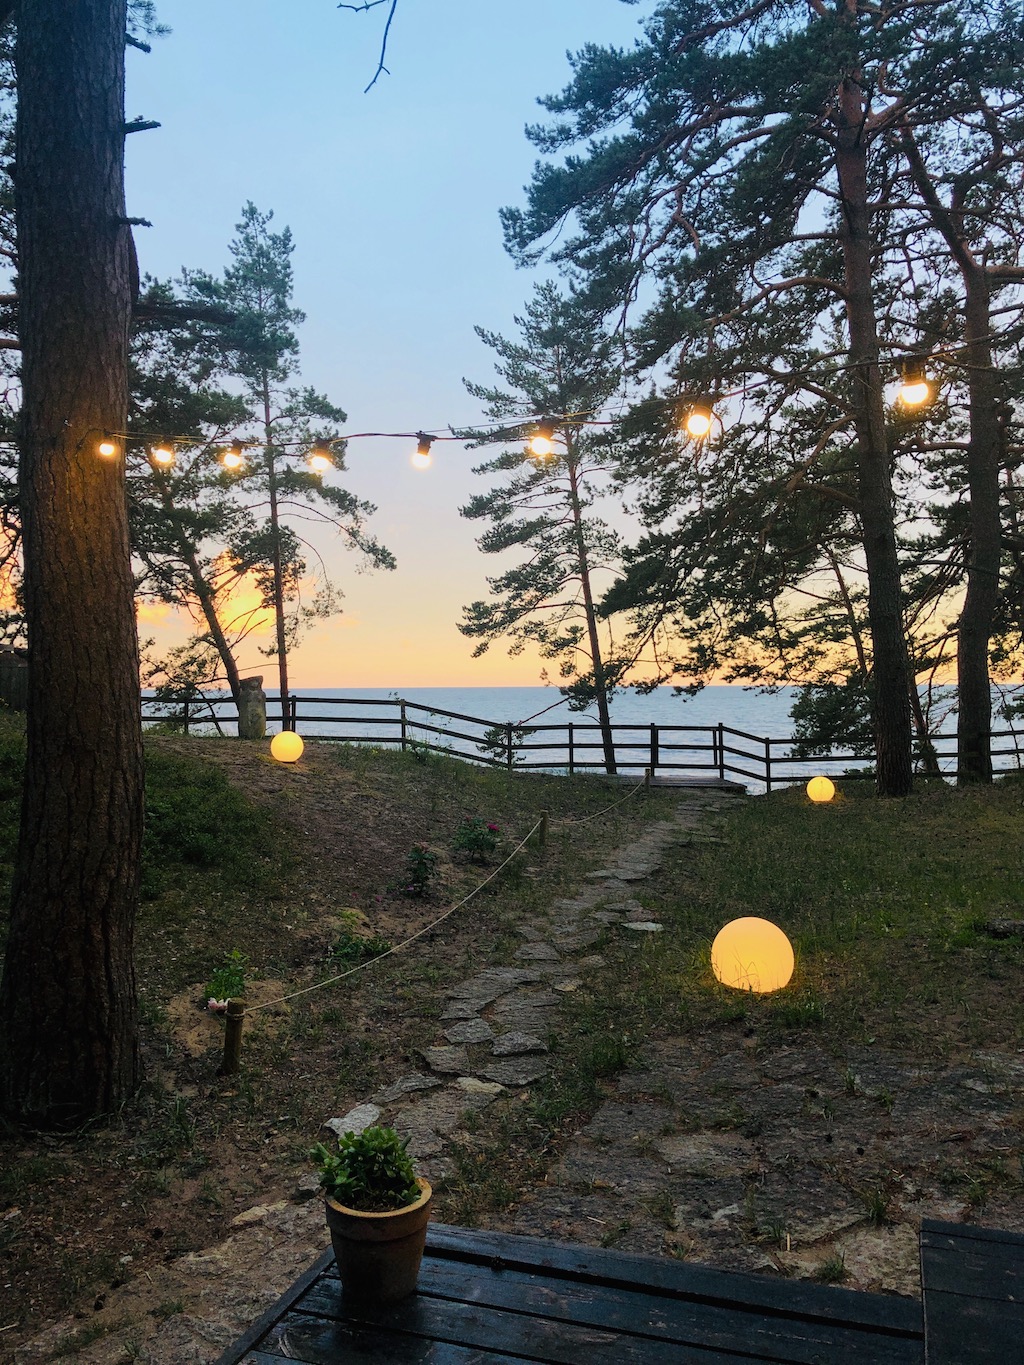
(275, 523)
(600, 681)
(67, 1001)
(974, 692)
(890, 668)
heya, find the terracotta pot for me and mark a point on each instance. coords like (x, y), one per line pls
(379, 1254)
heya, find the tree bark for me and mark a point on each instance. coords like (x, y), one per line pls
(600, 682)
(281, 633)
(984, 451)
(68, 1011)
(890, 667)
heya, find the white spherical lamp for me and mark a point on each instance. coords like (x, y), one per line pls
(287, 747)
(821, 789)
(752, 954)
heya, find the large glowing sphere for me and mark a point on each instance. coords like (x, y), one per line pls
(821, 789)
(698, 421)
(752, 954)
(287, 746)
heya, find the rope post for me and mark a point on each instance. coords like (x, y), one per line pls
(647, 777)
(233, 1038)
(542, 836)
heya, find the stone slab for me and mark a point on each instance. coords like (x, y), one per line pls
(515, 1044)
(469, 1031)
(512, 1071)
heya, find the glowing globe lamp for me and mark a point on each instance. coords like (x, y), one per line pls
(821, 789)
(319, 463)
(287, 747)
(162, 455)
(541, 446)
(752, 954)
(107, 447)
(233, 457)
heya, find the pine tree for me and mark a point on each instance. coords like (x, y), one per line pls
(562, 366)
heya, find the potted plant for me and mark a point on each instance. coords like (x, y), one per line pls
(377, 1211)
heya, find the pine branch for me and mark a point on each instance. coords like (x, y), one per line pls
(361, 9)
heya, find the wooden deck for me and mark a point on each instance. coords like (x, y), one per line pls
(972, 1286)
(493, 1299)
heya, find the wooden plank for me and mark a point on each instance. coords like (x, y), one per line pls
(654, 1273)
(235, 1352)
(473, 1326)
(972, 1282)
(645, 1316)
(315, 1341)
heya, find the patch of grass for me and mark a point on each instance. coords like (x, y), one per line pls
(876, 1205)
(832, 1270)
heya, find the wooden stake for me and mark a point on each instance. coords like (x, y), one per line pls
(233, 1038)
(542, 837)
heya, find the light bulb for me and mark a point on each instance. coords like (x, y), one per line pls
(320, 458)
(233, 457)
(541, 446)
(162, 455)
(698, 421)
(107, 447)
(422, 459)
(915, 388)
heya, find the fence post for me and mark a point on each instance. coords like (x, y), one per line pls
(186, 716)
(767, 764)
(294, 701)
(542, 836)
(233, 1038)
(572, 768)
(508, 745)
(721, 752)
(654, 747)
(405, 730)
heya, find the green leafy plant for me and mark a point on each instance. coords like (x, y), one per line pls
(476, 837)
(349, 949)
(420, 870)
(370, 1171)
(228, 981)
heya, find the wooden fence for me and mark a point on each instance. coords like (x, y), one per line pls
(712, 752)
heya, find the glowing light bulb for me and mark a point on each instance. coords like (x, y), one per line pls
(915, 389)
(162, 455)
(320, 458)
(107, 447)
(698, 421)
(234, 456)
(423, 458)
(542, 442)
(821, 789)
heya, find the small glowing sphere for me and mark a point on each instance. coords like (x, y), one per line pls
(287, 747)
(541, 446)
(421, 460)
(318, 463)
(698, 422)
(752, 954)
(162, 455)
(232, 458)
(821, 789)
(107, 447)
(916, 393)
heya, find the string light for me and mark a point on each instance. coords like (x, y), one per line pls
(915, 390)
(698, 418)
(422, 458)
(233, 457)
(320, 458)
(107, 447)
(542, 443)
(162, 454)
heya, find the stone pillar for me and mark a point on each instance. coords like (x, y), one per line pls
(252, 709)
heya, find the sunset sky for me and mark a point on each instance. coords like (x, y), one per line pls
(393, 200)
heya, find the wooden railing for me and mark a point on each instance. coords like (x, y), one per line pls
(710, 751)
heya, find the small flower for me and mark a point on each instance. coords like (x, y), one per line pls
(216, 1006)
(493, 828)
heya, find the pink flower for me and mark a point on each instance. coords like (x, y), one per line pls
(494, 828)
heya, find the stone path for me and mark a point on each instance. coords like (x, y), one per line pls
(495, 1024)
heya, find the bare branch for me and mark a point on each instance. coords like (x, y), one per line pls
(361, 9)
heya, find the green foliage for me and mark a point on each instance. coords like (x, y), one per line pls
(421, 870)
(228, 981)
(349, 949)
(476, 837)
(371, 1171)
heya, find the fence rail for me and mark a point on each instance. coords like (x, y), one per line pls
(700, 751)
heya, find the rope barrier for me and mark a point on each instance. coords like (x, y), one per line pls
(597, 814)
(320, 985)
